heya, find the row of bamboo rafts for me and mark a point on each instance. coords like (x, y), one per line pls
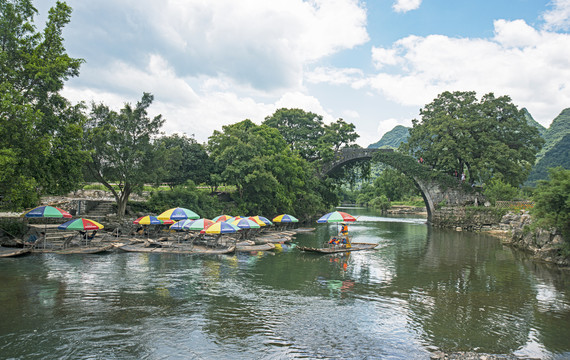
(206, 245)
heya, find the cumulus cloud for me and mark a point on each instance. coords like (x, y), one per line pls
(531, 66)
(559, 17)
(406, 5)
(263, 43)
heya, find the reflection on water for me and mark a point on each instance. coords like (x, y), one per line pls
(422, 290)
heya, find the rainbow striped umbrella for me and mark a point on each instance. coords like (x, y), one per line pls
(221, 227)
(151, 220)
(221, 218)
(80, 225)
(245, 224)
(199, 225)
(181, 225)
(336, 216)
(178, 214)
(263, 221)
(47, 211)
(284, 218)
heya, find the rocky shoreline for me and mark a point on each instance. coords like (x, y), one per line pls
(544, 244)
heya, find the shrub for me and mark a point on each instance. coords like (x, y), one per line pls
(499, 190)
(552, 201)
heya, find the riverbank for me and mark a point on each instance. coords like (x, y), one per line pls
(545, 245)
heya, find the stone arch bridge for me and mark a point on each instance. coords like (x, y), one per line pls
(433, 190)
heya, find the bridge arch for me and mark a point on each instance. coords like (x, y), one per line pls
(435, 188)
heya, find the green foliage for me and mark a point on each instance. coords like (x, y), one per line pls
(40, 132)
(557, 155)
(459, 133)
(393, 138)
(559, 128)
(187, 160)
(269, 177)
(306, 133)
(122, 148)
(395, 185)
(380, 202)
(500, 190)
(552, 201)
(187, 196)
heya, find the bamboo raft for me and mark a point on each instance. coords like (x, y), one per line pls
(249, 245)
(177, 249)
(339, 249)
(9, 252)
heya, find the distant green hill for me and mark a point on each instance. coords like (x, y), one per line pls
(558, 155)
(558, 129)
(556, 150)
(392, 138)
(530, 120)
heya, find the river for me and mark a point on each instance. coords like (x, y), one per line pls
(422, 290)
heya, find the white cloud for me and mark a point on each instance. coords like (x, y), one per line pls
(333, 75)
(269, 41)
(308, 103)
(406, 5)
(531, 66)
(559, 17)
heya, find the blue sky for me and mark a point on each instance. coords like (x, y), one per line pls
(373, 63)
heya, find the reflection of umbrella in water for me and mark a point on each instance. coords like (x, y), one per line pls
(81, 225)
(178, 214)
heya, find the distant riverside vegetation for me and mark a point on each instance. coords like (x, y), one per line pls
(555, 151)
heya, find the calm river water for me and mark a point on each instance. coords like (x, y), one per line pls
(420, 291)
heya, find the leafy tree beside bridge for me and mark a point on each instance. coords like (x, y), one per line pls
(484, 139)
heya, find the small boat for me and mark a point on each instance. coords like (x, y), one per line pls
(249, 245)
(339, 249)
(9, 252)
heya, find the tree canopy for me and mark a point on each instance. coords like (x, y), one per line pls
(40, 131)
(485, 139)
(269, 177)
(123, 149)
(307, 134)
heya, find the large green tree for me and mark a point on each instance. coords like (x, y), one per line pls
(307, 134)
(187, 160)
(268, 176)
(485, 139)
(40, 131)
(124, 153)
